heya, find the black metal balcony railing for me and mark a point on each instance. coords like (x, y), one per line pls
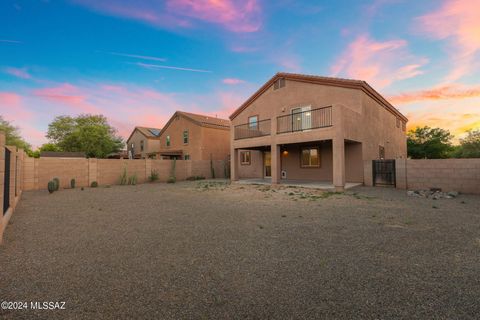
(305, 120)
(252, 130)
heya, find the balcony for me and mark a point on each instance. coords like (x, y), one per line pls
(252, 130)
(302, 119)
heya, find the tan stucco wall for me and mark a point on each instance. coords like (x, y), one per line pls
(202, 141)
(461, 175)
(255, 168)
(291, 163)
(150, 145)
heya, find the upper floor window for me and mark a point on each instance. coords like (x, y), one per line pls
(141, 145)
(168, 141)
(310, 158)
(132, 146)
(185, 136)
(253, 122)
(186, 157)
(279, 83)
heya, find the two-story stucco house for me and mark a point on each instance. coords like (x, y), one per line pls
(143, 143)
(190, 136)
(312, 128)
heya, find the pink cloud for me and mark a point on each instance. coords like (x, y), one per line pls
(459, 22)
(237, 16)
(232, 81)
(12, 107)
(18, 72)
(379, 63)
(67, 94)
(439, 93)
(233, 15)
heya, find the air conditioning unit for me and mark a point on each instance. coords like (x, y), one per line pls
(284, 174)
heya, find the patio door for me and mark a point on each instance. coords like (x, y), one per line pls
(267, 164)
(301, 118)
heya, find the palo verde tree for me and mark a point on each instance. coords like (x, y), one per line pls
(429, 143)
(91, 134)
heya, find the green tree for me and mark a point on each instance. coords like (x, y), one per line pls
(12, 136)
(45, 147)
(469, 146)
(87, 133)
(429, 143)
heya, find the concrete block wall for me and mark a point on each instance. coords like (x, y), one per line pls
(461, 175)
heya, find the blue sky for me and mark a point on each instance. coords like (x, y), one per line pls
(139, 61)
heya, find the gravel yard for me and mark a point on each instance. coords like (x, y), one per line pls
(203, 250)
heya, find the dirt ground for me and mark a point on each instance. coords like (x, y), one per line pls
(210, 250)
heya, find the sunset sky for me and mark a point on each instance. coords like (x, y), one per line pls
(137, 61)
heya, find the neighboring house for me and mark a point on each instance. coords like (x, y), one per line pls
(311, 128)
(190, 136)
(143, 143)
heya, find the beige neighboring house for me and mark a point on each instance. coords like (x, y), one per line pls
(143, 143)
(314, 129)
(190, 136)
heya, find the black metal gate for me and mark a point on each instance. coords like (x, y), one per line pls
(384, 173)
(6, 182)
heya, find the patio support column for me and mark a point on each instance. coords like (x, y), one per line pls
(275, 163)
(338, 164)
(234, 164)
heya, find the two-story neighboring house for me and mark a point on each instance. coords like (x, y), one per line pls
(143, 143)
(311, 128)
(190, 136)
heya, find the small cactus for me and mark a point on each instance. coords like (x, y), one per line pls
(94, 184)
(57, 183)
(72, 183)
(51, 186)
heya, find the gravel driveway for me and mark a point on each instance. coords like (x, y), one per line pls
(208, 250)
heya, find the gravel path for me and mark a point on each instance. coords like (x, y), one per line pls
(198, 250)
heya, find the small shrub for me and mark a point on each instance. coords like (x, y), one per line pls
(171, 180)
(51, 186)
(132, 180)
(57, 183)
(82, 188)
(72, 183)
(94, 184)
(123, 177)
(153, 176)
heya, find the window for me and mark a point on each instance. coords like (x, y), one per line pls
(186, 157)
(168, 141)
(381, 152)
(185, 137)
(279, 83)
(245, 158)
(310, 158)
(141, 145)
(253, 122)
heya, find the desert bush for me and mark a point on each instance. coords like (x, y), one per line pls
(123, 177)
(94, 184)
(193, 178)
(153, 176)
(57, 183)
(132, 180)
(51, 186)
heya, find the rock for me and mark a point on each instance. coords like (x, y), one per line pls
(453, 194)
(411, 193)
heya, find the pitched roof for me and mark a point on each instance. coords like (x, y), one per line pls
(201, 120)
(147, 132)
(206, 120)
(329, 81)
